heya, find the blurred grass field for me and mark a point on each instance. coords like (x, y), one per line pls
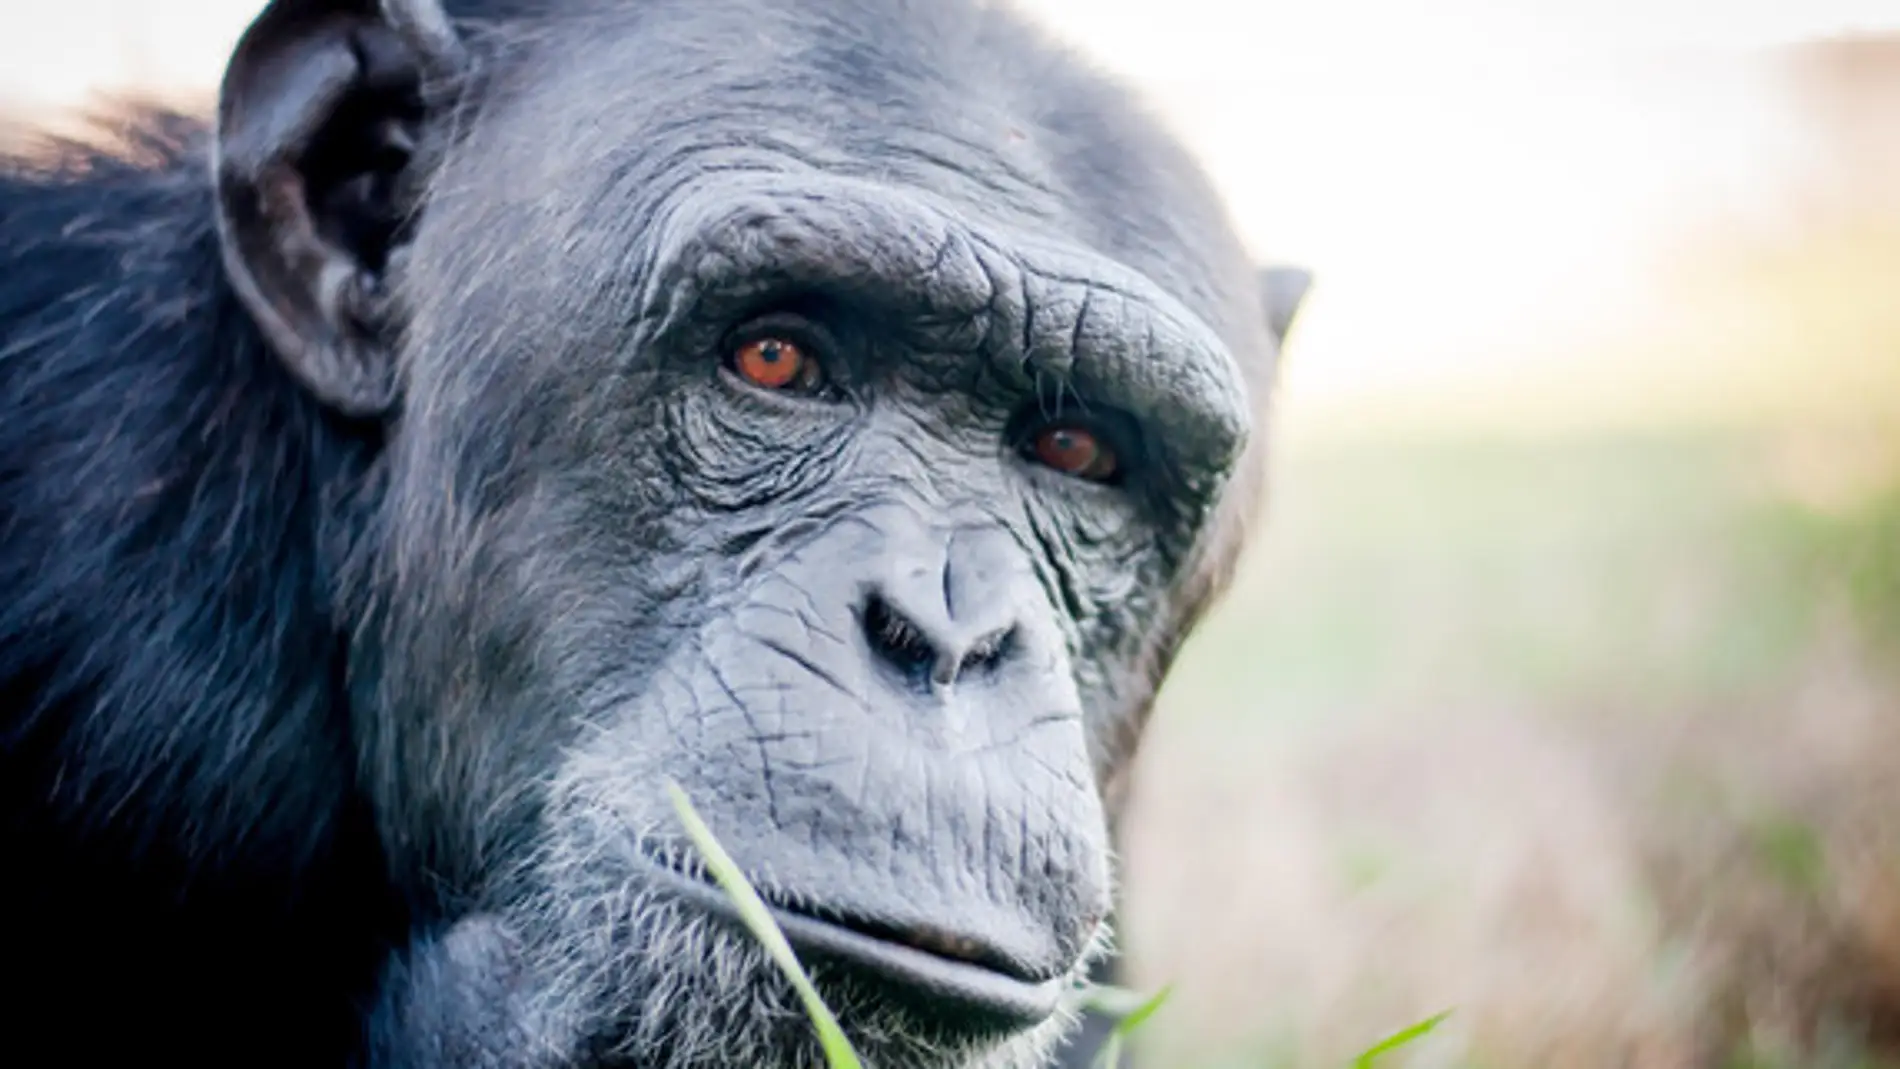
(1488, 725)
(1568, 700)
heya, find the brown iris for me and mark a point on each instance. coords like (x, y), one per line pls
(775, 364)
(1075, 451)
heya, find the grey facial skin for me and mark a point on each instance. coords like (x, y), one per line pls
(898, 656)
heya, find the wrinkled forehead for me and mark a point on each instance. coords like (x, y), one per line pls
(591, 128)
(600, 110)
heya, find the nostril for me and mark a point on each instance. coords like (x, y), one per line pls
(898, 641)
(930, 659)
(988, 652)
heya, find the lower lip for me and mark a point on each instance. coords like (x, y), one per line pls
(1009, 1002)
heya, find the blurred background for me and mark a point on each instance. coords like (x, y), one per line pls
(1561, 690)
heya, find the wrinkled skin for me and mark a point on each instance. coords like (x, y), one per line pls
(399, 525)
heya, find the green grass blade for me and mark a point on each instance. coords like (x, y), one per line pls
(1399, 1039)
(838, 1051)
(1109, 1000)
(1116, 1002)
(1140, 1014)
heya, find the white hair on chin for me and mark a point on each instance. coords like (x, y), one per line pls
(659, 985)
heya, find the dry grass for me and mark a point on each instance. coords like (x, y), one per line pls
(1590, 732)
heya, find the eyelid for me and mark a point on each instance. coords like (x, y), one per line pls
(809, 333)
(1118, 431)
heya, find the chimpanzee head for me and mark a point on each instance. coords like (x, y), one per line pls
(842, 408)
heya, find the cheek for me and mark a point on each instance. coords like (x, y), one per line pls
(1106, 580)
(1100, 567)
(733, 452)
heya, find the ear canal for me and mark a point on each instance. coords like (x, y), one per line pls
(1283, 290)
(319, 115)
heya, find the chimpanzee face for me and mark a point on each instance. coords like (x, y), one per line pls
(838, 410)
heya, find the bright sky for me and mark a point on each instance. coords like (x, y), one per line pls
(1464, 172)
(1422, 193)
(1461, 173)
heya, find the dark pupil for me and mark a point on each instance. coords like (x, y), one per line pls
(770, 352)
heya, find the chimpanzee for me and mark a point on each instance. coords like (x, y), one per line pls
(506, 408)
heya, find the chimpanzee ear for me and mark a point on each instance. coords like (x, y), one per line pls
(1282, 290)
(318, 120)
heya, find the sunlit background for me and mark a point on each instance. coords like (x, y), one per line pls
(1561, 689)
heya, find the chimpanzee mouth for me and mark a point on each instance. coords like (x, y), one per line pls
(931, 966)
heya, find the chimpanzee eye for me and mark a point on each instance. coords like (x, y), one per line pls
(776, 363)
(1074, 450)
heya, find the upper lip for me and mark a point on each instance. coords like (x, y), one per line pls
(938, 965)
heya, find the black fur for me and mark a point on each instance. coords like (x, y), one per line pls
(185, 849)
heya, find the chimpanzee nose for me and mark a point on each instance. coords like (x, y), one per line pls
(932, 650)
